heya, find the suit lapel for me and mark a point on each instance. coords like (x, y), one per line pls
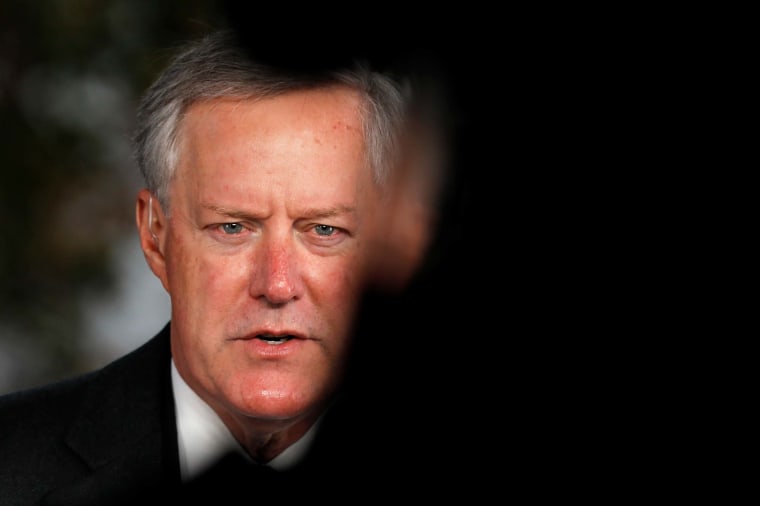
(125, 429)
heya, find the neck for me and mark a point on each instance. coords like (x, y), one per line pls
(264, 440)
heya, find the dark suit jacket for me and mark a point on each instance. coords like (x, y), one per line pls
(96, 439)
(109, 437)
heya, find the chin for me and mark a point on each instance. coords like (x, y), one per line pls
(278, 403)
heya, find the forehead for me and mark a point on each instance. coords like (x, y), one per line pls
(331, 115)
(295, 140)
(335, 103)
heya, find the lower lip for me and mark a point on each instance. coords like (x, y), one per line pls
(264, 349)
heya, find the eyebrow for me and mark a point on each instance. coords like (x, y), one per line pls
(309, 212)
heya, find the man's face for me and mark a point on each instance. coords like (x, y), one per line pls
(264, 246)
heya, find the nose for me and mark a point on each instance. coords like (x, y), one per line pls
(275, 276)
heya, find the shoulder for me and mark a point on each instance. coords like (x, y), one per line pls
(44, 412)
(40, 408)
(55, 435)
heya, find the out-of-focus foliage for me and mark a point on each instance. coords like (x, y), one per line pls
(70, 75)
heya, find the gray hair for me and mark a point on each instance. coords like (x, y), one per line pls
(215, 67)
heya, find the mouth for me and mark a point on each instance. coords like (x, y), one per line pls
(275, 339)
(273, 344)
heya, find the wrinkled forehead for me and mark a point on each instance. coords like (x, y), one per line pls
(313, 135)
(335, 102)
(334, 111)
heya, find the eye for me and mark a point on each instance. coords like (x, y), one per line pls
(324, 230)
(231, 228)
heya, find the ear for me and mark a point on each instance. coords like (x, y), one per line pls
(152, 227)
(403, 240)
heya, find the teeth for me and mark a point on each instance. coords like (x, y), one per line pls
(274, 339)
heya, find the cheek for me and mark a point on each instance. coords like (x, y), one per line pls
(191, 265)
(201, 285)
(337, 289)
(219, 276)
(206, 294)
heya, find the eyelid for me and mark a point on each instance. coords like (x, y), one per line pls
(322, 225)
(338, 235)
(237, 223)
(219, 228)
